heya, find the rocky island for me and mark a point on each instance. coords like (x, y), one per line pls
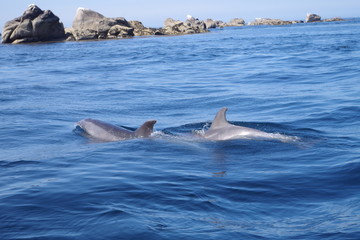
(310, 18)
(36, 25)
(33, 26)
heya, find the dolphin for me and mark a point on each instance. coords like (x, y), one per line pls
(221, 129)
(109, 133)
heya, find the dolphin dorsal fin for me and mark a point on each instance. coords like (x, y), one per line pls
(146, 129)
(220, 119)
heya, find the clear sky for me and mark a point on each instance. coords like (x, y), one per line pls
(153, 13)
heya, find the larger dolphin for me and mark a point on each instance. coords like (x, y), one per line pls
(221, 129)
(107, 132)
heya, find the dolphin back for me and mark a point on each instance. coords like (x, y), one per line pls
(104, 131)
(146, 129)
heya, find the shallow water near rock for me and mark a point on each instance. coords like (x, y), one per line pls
(298, 80)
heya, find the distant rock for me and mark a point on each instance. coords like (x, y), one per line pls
(33, 26)
(69, 34)
(311, 17)
(174, 27)
(269, 21)
(38, 25)
(194, 25)
(170, 23)
(209, 23)
(236, 22)
(140, 30)
(297, 21)
(190, 26)
(189, 17)
(333, 19)
(89, 24)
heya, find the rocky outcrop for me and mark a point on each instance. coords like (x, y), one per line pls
(33, 26)
(194, 25)
(89, 24)
(174, 26)
(190, 26)
(38, 25)
(297, 21)
(209, 23)
(269, 21)
(236, 22)
(333, 19)
(141, 30)
(316, 18)
(311, 17)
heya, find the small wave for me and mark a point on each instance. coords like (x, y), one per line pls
(200, 132)
(8, 164)
(190, 140)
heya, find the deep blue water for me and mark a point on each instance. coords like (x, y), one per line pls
(300, 80)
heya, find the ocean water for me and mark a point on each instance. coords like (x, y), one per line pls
(300, 80)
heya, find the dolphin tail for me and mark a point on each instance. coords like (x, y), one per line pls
(220, 119)
(146, 129)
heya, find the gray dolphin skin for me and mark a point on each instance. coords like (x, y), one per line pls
(221, 129)
(107, 132)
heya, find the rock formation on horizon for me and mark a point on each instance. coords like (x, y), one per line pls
(89, 24)
(311, 17)
(209, 23)
(141, 30)
(33, 26)
(235, 22)
(269, 21)
(36, 25)
(335, 19)
(190, 26)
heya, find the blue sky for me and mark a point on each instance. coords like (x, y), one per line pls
(153, 13)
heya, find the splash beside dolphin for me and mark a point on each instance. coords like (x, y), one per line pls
(221, 129)
(107, 132)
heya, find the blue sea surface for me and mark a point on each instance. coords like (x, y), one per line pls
(299, 80)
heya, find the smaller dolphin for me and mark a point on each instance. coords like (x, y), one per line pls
(221, 129)
(107, 132)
